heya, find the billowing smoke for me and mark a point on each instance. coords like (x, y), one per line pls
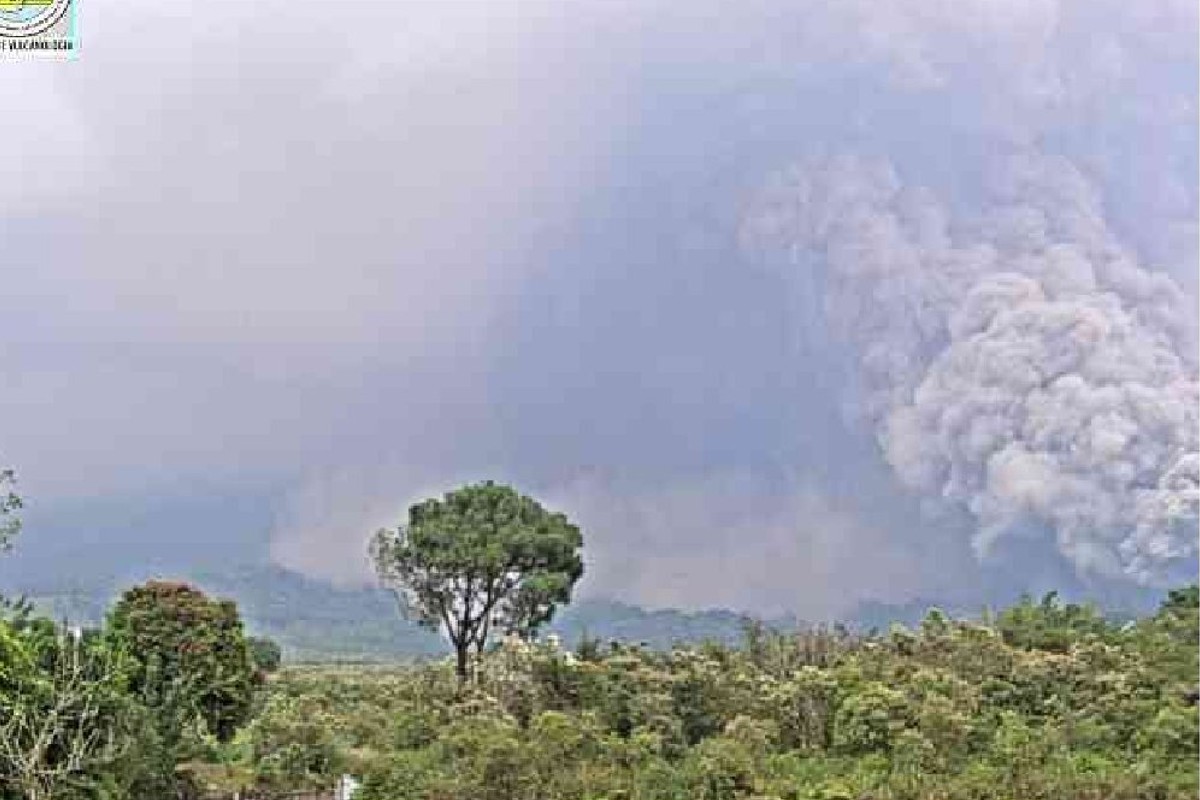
(1016, 361)
(509, 240)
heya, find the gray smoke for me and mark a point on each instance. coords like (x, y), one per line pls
(1018, 362)
(460, 240)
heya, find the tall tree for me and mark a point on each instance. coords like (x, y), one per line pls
(481, 558)
(191, 658)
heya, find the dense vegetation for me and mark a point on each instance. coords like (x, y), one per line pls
(114, 713)
(168, 699)
(1047, 700)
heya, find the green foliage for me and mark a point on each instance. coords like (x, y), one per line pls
(1049, 625)
(481, 556)
(293, 743)
(189, 673)
(870, 718)
(1053, 701)
(118, 714)
(191, 660)
(1052, 705)
(315, 622)
(64, 714)
(265, 654)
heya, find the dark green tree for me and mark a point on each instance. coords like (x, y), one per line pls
(190, 657)
(265, 653)
(1049, 625)
(481, 558)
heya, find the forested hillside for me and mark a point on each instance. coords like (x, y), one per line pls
(315, 621)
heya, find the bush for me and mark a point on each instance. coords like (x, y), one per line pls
(1055, 705)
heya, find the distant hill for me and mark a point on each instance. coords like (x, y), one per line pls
(609, 620)
(315, 621)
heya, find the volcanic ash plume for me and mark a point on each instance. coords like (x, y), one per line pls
(1018, 363)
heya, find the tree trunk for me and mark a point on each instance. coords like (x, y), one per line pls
(464, 654)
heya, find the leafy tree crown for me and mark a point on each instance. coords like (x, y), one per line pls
(191, 656)
(481, 557)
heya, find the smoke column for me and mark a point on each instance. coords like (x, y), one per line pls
(1015, 361)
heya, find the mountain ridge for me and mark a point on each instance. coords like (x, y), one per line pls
(317, 621)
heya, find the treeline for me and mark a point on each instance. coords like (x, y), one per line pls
(315, 622)
(169, 699)
(1045, 700)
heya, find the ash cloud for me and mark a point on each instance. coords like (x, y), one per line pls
(325, 268)
(1020, 364)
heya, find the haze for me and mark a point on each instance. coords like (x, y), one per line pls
(704, 275)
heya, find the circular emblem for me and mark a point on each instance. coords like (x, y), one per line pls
(21, 18)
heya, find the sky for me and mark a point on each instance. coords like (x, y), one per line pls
(715, 279)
